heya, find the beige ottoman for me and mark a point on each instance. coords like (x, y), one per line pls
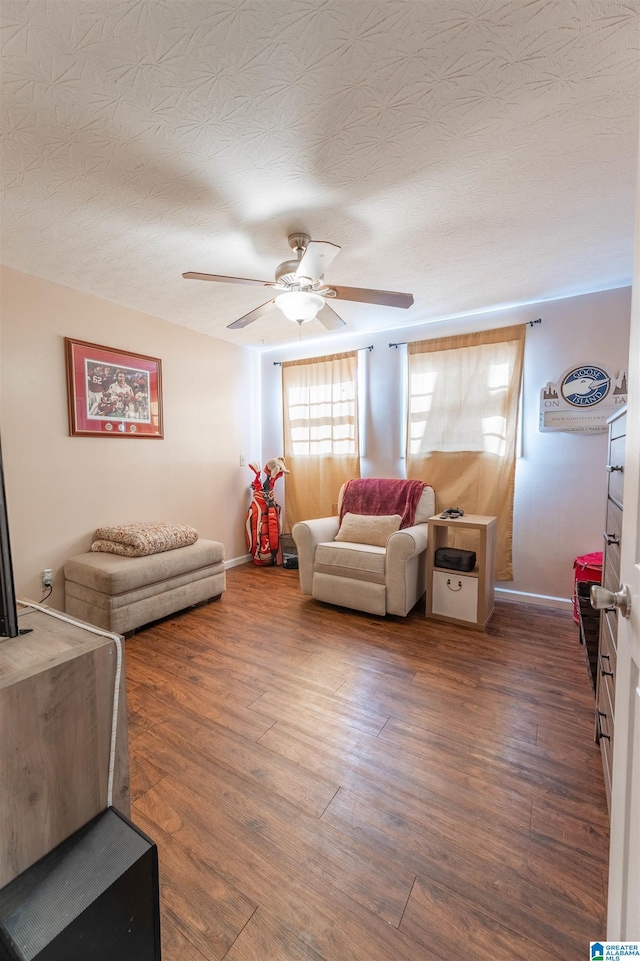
(120, 594)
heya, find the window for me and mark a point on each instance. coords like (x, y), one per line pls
(462, 420)
(322, 418)
(321, 437)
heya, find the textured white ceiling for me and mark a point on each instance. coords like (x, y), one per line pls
(474, 153)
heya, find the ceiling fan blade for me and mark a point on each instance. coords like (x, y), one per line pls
(194, 275)
(386, 298)
(316, 258)
(329, 318)
(251, 316)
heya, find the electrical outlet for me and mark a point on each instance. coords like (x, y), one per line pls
(47, 579)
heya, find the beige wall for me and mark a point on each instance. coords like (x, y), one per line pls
(60, 488)
(560, 481)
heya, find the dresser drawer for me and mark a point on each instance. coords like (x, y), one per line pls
(608, 637)
(615, 468)
(604, 731)
(607, 688)
(611, 582)
(612, 532)
(611, 572)
(618, 426)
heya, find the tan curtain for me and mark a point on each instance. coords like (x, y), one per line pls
(321, 446)
(462, 424)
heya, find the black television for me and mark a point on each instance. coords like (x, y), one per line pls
(8, 607)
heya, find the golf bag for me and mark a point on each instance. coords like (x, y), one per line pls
(263, 525)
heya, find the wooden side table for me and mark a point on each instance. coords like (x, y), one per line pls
(464, 598)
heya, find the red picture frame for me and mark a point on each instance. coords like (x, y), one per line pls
(113, 392)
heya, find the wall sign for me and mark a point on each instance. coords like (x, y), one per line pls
(582, 400)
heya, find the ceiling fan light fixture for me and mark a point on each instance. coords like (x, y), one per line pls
(299, 305)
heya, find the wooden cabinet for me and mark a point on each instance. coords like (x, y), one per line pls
(607, 646)
(56, 713)
(458, 597)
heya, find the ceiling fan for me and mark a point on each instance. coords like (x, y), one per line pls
(301, 290)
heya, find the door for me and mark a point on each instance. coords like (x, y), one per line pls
(623, 920)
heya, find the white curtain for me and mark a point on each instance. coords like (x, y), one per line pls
(462, 424)
(321, 445)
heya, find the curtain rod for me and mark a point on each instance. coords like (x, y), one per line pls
(402, 343)
(278, 363)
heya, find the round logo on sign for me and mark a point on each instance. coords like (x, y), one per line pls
(584, 386)
(108, 426)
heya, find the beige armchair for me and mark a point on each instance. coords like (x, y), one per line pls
(377, 572)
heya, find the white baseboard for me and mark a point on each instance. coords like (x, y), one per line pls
(541, 600)
(237, 561)
(503, 593)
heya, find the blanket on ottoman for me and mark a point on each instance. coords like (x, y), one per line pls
(138, 540)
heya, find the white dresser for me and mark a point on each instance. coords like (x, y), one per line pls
(607, 646)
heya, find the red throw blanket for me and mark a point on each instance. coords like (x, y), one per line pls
(384, 495)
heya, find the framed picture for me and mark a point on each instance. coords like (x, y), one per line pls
(112, 393)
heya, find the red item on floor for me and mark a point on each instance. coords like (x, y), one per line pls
(587, 567)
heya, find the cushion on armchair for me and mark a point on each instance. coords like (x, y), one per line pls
(373, 529)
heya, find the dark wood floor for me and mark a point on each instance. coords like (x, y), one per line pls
(324, 784)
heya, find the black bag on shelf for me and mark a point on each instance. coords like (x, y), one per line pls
(453, 559)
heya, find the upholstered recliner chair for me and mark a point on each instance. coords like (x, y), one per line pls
(364, 558)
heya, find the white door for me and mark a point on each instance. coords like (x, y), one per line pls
(623, 921)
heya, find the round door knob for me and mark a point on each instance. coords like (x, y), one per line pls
(620, 600)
